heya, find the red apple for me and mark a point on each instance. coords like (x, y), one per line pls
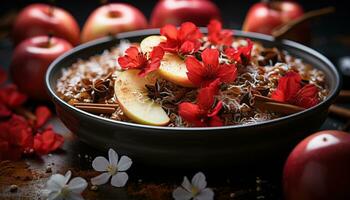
(263, 17)
(43, 19)
(30, 61)
(319, 168)
(112, 19)
(176, 12)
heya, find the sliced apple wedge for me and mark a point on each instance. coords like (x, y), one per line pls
(149, 42)
(172, 67)
(131, 94)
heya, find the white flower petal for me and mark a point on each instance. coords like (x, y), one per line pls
(67, 176)
(74, 196)
(206, 194)
(199, 181)
(113, 157)
(186, 184)
(100, 164)
(77, 185)
(54, 196)
(181, 194)
(124, 163)
(101, 179)
(120, 179)
(56, 182)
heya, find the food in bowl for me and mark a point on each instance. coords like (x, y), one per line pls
(183, 78)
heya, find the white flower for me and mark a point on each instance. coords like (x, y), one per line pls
(195, 190)
(111, 168)
(59, 188)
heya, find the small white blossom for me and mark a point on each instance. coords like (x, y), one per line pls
(59, 188)
(111, 168)
(195, 190)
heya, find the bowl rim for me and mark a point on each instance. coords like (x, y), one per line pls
(267, 38)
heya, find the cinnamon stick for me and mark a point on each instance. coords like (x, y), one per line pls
(279, 107)
(344, 96)
(97, 109)
(282, 30)
(97, 105)
(340, 111)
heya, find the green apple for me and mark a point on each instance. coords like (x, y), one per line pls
(131, 94)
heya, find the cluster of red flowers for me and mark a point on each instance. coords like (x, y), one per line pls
(207, 73)
(291, 90)
(22, 132)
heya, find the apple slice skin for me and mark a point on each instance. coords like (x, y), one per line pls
(131, 94)
(172, 68)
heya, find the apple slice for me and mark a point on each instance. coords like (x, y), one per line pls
(131, 94)
(172, 67)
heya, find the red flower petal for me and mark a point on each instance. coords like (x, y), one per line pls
(132, 59)
(218, 36)
(215, 121)
(191, 113)
(47, 142)
(216, 109)
(189, 31)
(187, 47)
(307, 96)
(3, 76)
(4, 111)
(42, 114)
(241, 54)
(210, 58)
(169, 31)
(157, 53)
(287, 88)
(10, 96)
(206, 95)
(195, 71)
(227, 73)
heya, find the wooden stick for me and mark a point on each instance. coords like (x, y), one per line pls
(344, 96)
(279, 107)
(97, 110)
(340, 111)
(97, 105)
(285, 28)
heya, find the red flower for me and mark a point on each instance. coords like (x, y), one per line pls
(134, 59)
(184, 40)
(11, 97)
(4, 111)
(241, 54)
(217, 36)
(42, 114)
(47, 141)
(290, 90)
(202, 75)
(204, 113)
(15, 138)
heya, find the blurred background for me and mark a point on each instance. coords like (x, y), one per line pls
(330, 34)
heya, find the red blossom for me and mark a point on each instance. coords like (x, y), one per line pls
(47, 141)
(15, 138)
(42, 114)
(202, 74)
(290, 90)
(240, 55)
(11, 97)
(217, 36)
(134, 59)
(184, 40)
(204, 112)
(4, 111)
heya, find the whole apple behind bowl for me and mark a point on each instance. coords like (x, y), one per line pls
(30, 61)
(175, 12)
(43, 19)
(112, 19)
(264, 17)
(319, 168)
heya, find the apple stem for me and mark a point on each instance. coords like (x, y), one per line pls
(49, 38)
(282, 30)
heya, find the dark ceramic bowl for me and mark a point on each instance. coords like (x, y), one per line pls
(191, 147)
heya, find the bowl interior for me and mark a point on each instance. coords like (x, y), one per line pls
(87, 50)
